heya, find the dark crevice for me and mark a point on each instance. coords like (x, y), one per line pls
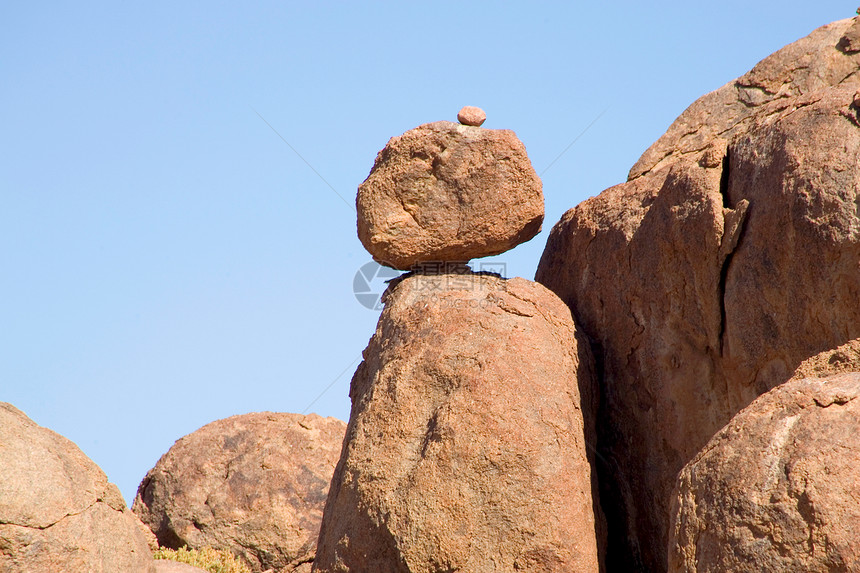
(726, 263)
(622, 551)
(724, 274)
(724, 182)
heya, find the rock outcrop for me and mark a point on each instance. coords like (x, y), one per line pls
(845, 358)
(58, 512)
(778, 488)
(448, 192)
(729, 257)
(253, 484)
(466, 447)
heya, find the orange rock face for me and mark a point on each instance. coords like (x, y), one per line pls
(777, 489)
(448, 192)
(731, 255)
(466, 449)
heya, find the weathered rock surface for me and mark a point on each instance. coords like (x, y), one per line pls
(253, 484)
(846, 358)
(850, 42)
(729, 257)
(58, 512)
(777, 489)
(808, 65)
(465, 448)
(448, 192)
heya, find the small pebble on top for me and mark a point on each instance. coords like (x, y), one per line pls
(471, 115)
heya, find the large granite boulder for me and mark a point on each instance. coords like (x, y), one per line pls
(253, 484)
(448, 192)
(728, 258)
(58, 512)
(468, 444)
(777, 489)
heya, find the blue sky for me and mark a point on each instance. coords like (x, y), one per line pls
(168, 260)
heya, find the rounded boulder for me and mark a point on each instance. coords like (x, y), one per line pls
(58, 512)
(253, 484)
(777, 489)
(445, 192)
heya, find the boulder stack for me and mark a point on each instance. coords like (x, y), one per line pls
(447, 192)
(468, 445)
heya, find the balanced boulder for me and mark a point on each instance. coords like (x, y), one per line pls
(471, 115)
(448, 192)
(467, 446)
(253, 484)
(777, 489)
(58, 512)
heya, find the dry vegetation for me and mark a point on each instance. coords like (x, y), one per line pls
(212, 560)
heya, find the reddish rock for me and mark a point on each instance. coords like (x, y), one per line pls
(465, 449)
(253, 484)
(845, 358)
(850, 42)
(58, 512)
(809, 64)
(471, 115)
(728, 258)
(777, 489)
(448, 192)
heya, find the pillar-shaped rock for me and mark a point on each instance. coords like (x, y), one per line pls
(467, 445)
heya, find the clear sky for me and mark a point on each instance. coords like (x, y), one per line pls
(166, 259)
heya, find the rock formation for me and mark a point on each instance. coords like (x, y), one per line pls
(845, 358)
(728, 258)
(254, 484)
(778, 488)
(448, 192)
(58, 512)
(466, 447)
